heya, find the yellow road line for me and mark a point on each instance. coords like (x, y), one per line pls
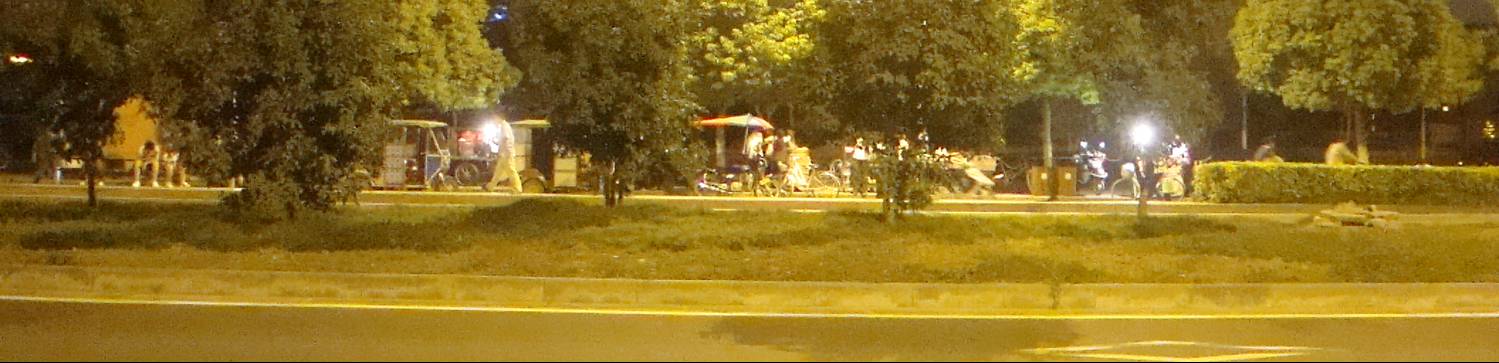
(629, 312)
(1216, 358)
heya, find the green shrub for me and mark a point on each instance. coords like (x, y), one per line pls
(1240, 182)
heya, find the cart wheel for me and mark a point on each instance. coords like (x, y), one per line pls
(467, 174)
(533, 186)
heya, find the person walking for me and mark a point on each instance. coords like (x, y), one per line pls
(502, 144)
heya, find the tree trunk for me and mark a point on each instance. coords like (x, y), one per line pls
(1361, 134)
(1422, 155)
(1352, 139)
(611, 186)
(1048, 151)
(91, 172)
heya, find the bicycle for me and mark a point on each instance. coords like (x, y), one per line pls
(1128, 185)
(832, 177)
(1011, 177)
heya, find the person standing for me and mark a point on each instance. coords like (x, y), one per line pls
(1181, 156)
(796, 175)
(1338, 154)
(858, 176)
(754, 149)
(502, 144)
(45, 154)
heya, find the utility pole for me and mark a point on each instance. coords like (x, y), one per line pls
(1244, 120)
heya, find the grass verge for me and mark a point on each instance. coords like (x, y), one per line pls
(573, 239)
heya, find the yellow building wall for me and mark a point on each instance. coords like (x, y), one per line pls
(133, 127)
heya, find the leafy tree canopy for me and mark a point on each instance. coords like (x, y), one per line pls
(612, 77)
(1356, 54)
(944, 66)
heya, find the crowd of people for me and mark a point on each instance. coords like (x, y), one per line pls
(1337, 154)
(774, 154)
(1168, 174)
(153, 161)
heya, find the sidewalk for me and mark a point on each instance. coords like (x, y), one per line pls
(1007, 204)
(723, 297)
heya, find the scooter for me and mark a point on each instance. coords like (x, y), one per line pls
(1094, 176)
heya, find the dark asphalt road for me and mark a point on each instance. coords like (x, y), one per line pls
(75, 331)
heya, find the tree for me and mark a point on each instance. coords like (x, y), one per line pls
(1356, 56)
(77, 78)
(906, 66)
(745, 57)
(1071, 49)
(612, 77)
(743, 52)
(296, 96)
(1176, 81)
(912, 67)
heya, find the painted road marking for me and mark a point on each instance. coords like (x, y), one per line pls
(686, 313)
(1231, 353)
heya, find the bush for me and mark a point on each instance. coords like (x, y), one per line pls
(1240, 182)
(907, 179)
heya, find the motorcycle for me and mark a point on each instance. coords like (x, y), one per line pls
(1094, 177)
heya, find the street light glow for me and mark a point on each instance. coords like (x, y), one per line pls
(490, 131)
(1143, 134)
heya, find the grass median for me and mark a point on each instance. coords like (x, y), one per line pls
(573, 239)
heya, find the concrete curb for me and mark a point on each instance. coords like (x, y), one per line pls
(731, 297)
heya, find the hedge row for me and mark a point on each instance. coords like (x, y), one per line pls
(1242, 182)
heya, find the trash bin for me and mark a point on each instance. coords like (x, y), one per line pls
(1039, 177)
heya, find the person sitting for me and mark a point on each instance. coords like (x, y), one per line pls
(150, 155)
(1266, 153)
(1338, 154)
(1170, 182)
(176, 172)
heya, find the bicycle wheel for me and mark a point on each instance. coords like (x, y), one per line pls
(468, 174)
(1172, 189)
(826, 180)
(1125, 188)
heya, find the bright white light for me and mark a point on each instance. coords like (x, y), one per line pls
(1143, 134)
(1445, 108)
(490, 131)
(19, 59)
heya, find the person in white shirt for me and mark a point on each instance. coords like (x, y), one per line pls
(858, 176)
(502, 144)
